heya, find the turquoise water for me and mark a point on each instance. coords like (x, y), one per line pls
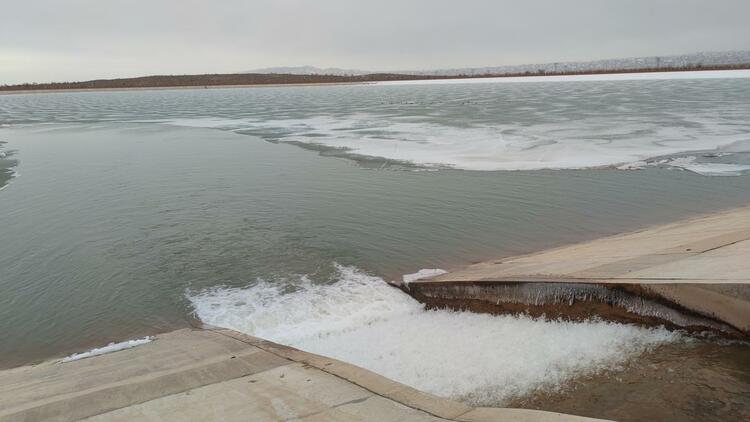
(126, 205)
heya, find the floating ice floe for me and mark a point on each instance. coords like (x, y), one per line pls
(592, 142)
(708, 169)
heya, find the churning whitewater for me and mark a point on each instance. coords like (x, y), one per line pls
(481, 359)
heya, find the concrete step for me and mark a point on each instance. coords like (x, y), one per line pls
(218, 374)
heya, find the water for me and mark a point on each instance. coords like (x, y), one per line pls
(131, 211)
(683, 381)
(700, 125)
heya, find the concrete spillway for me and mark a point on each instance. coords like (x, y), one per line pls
(219, 374)
(693, 274)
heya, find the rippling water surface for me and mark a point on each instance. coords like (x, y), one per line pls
(692, 124)
(129, 213)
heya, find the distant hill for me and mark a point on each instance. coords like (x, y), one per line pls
(310, 70)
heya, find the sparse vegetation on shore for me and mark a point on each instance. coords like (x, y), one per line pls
(214, 80)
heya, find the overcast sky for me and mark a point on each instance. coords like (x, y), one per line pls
(61, 40)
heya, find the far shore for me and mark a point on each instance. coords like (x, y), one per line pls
(165, 82)
(181, 87)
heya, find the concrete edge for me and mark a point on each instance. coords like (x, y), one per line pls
(718, 306)
(395, 391)
(702, 217)
(78, 405)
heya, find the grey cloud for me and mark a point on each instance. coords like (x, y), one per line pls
(44, 40)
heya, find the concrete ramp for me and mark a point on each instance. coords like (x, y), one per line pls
(699, 266)
(222, 375)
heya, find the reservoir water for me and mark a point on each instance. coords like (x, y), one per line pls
(279, 211)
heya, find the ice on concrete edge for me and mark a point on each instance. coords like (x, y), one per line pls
(111, 347)
(422, 274)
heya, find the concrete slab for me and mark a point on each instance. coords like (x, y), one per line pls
(218, 374)
(179, 362)
(674, 264)
(709, 249)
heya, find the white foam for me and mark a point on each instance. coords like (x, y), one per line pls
(704, 74)
(422, 274)
(482, 359)
(111, 347)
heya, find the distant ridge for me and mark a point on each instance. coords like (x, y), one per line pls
(310, 70)
(682, 61)
(211, 80)
(697, 60)
(313, 75)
